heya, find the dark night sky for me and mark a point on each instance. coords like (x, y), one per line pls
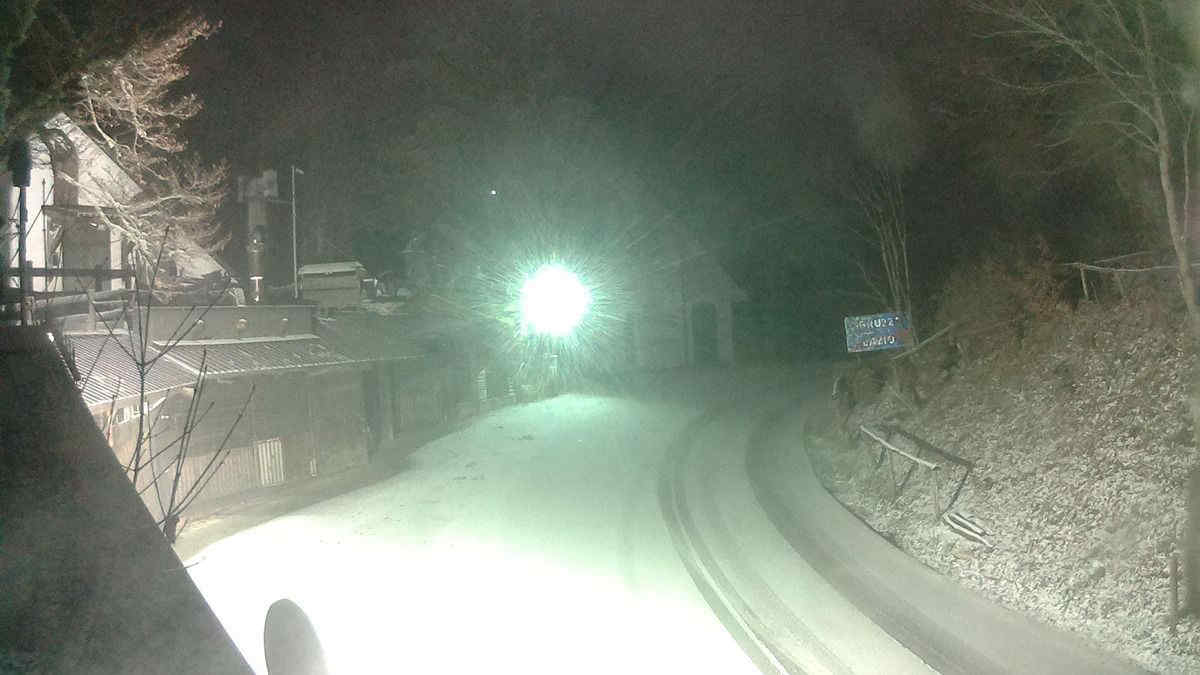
(336, 88)
(277, 73)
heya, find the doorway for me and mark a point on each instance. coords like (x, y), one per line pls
(704, 334)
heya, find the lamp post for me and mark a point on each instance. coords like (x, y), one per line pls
(295, 266)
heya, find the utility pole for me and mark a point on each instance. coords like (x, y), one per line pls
(295, 265)
(20, 166)
(22, 260)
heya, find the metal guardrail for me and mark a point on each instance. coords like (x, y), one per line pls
(883, 436)
(885, 444)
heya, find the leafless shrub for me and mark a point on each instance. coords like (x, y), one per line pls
(156, 464)
(998, 297)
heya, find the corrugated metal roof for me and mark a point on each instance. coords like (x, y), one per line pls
(106, 370)
(369, 337)
(232, 357)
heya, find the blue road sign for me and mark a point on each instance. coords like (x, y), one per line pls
(890, 330)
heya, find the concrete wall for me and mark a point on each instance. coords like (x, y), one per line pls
(88, 582)
(221, 322)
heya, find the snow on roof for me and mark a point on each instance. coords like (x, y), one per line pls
(345, 267)
(100, 176)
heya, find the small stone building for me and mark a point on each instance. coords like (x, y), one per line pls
(684, 312)
(333, 285)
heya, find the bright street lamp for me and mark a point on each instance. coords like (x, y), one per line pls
(553, 302)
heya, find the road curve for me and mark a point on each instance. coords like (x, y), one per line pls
(784, 615)
(730, 608)
(952, 628)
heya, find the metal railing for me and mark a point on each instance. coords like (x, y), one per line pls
(888, 450)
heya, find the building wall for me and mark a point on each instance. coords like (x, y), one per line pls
(660, 340)
(725, 332)
(724, 326)
(332, 290)
(333, 297)
(120, 425)
(423, 395)
(704, 280)
(296, 426)
(337, 415)
(222, 322)
(87, 247)
(281, 411)
(663, 327)
(663, 334)
(659, 332)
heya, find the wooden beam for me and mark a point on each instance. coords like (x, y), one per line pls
(81, 272)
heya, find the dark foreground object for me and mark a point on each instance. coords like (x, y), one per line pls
(290, 642)
(88, 584)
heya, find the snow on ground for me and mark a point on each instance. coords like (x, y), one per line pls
(777, 594)
(1082, 446)
(531, 541)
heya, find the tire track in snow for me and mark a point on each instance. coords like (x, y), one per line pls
(730, 608)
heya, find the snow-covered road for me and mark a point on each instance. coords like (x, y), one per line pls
(675, 534)
(532, 541)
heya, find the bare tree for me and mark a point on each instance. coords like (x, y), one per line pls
(1121, 68)
(878, 191)
(158, 459)
(129, 104)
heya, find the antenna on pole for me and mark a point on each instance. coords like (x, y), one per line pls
(20, 165)
(295, 266)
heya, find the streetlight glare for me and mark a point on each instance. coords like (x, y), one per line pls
(553, 301)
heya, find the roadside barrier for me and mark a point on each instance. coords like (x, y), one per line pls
(944, 464)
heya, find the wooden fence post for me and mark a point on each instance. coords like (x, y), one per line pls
(935, 476)
(1173, 593)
